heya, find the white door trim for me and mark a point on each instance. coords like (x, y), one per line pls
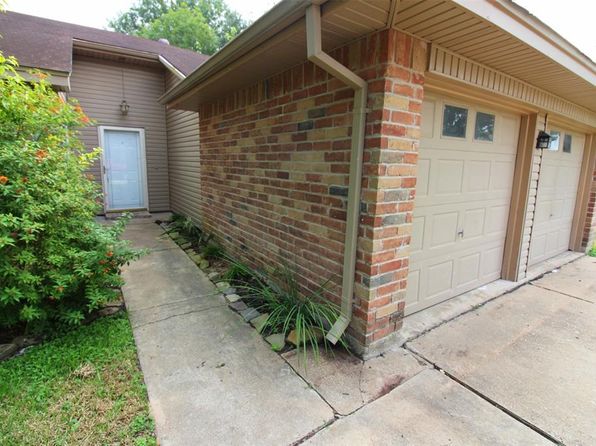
(104, 174)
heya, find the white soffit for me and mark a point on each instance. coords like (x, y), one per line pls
(502, 36)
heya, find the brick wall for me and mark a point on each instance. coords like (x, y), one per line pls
(274, 174)
(589, 237)
(393, 133)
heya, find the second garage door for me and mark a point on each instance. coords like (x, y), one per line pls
(555, 201)
(465, 173)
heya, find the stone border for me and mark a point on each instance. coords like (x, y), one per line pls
(251, 315)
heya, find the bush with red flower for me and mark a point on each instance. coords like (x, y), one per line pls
(56, 263)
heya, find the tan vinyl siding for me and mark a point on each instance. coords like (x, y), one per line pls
(98, 87)
(183, 159)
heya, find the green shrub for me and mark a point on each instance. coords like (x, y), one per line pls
(56, 263)
(592, 252)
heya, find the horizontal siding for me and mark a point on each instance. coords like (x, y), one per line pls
(98, 87)
(183, 159)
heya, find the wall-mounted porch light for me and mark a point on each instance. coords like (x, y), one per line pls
(543, 140)
(124, 107)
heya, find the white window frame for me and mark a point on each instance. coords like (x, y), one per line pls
(104, 173)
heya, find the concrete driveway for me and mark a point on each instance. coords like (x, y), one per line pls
(519, 370)
(532, 353)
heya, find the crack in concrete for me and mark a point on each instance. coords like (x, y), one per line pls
(360, 383)
(337, 415)
(489, 400)
(562, 293)
(174, 302)
(202, 310)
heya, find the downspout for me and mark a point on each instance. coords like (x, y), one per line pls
(339, 71)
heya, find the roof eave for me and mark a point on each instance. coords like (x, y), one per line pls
(60, 80)
(276, 19)
(520, 23)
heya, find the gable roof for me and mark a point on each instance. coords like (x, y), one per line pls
(48, 44)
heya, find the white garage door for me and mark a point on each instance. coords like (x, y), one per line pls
(555, 200)
(465, 173)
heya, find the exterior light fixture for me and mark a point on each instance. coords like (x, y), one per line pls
(124, 107)
(543, 140)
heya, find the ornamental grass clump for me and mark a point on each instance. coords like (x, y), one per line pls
(279, 295)
(56, 263)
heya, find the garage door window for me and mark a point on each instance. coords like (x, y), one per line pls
(567, 144)
(455, 121)
(484, 130)
(555, 139)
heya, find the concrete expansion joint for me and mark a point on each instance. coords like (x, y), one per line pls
(562, 293)
(162, 249)
(338, 416)
(310, 386)
(476, 392)
(314, 432)
(469, 310)
(202, 310)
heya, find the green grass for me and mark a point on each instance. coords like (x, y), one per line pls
(83, 388)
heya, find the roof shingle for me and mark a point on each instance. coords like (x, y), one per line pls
(47, 44)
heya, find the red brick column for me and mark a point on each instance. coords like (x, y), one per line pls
(389, 185)
(589, 236)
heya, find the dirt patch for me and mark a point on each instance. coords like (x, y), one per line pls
(390, 383)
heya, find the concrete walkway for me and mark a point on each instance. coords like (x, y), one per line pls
(519, 370)
(211, 378)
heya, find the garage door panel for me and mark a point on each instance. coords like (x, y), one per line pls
(423, 172)
(460, 216)
(491, 263)
(449, 177)
(501, 176)
(442, 276)
(443, 229)
(477, 176)
(474, 223)
(417, 234)
(497, 219)
(469, 269)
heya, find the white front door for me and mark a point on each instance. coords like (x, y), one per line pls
(124, 175)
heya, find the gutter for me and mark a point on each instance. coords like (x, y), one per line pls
(339, 71)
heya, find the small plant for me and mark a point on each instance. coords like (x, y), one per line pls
(308, 315)
(592, 251)
(212, 251)
(238, 272)
(187, 228)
